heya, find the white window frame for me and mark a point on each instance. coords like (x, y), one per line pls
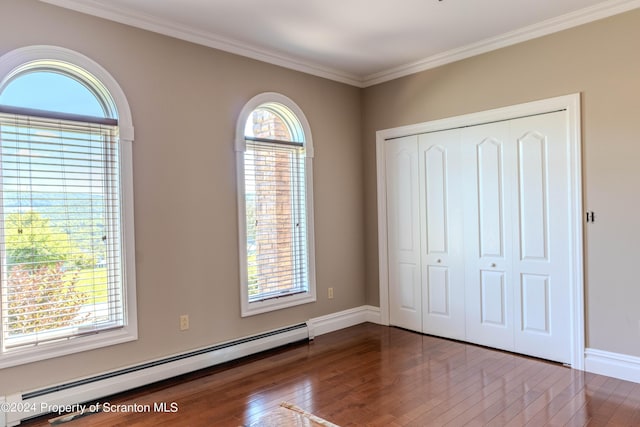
(255, 307)
(107, 90)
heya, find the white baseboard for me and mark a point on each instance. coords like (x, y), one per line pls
(109, 385)
(35, 403)
(343, 319)
(373, 314)
(614, 365)
(3, 418)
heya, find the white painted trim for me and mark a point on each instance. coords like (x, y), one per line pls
(570, 103)
(549, 26)
(576, 278)
(204, 38)
(614, 365)
(343, 319)
(3, 415)
(372, 314)
(383, 248)
(117, 384)
(150, 23)
(251, 308)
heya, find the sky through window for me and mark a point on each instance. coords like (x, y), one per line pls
(51, 91)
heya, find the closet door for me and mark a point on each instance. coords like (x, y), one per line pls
(516, 235)
(403, 233)
(478, 224)
(442, 235)
(488, 164)
(541, 258)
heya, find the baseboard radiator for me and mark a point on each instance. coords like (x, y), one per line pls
(103, 385)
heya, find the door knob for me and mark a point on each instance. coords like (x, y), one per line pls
(493, 264)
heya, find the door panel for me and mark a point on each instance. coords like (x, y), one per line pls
(442, 234)
(543, 221)
(436, 194)
(532, 193)
(488, 236)
(535, 303)
(408, 292)
(403, 233)
(438, 303)
(489, 160)
(493, 299)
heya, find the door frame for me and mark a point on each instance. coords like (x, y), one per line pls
(570, 104)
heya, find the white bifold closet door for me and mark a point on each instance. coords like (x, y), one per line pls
(403, 222)
(516, 235)
(442, 236)
(478, 222)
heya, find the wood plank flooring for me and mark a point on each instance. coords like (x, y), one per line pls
(371, 375)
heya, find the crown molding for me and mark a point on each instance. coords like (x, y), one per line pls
(553, 25)
(150, 23)
(168, 28)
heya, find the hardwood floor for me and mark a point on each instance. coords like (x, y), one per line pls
(371, 375)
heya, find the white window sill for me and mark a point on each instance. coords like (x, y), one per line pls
(21, 356)
(252, 308)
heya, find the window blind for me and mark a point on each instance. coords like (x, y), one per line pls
(277, 257)
(61, 273)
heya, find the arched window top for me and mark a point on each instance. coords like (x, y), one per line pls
(272, 116)
(274, 121)
(58, 86)
(60, 80)
(59, 91)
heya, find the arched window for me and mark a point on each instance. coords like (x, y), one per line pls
(66, 266)
(274, 152)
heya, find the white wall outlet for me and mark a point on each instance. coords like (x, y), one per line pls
(330, 293)
(184, 322)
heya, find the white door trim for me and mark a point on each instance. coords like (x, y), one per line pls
(570, 103)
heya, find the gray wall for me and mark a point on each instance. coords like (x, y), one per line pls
(599, 60)
(185, 100)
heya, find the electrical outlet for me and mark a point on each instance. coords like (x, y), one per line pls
(330, 293)
(184, 322)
